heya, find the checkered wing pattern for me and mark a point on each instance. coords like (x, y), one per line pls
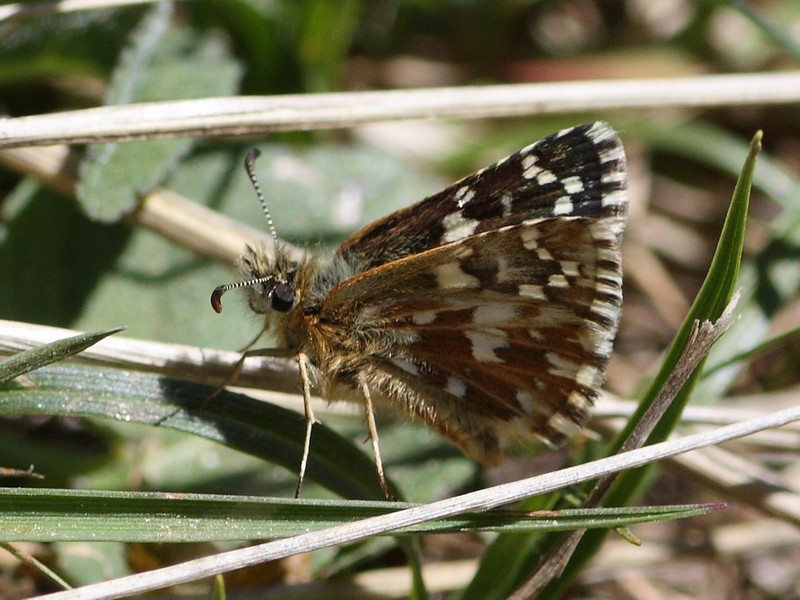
(577, 172)
(489, 310)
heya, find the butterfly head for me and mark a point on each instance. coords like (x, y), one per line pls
(269, 276)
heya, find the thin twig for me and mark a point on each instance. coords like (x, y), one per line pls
(251, 115)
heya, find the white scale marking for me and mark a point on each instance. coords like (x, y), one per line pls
(611, 154)
(463, 195)
(563, 425)
(572, 185)
(494, 314)
(529, 167)
(578, 401)
(525, 401)
(535, 335)
(530, 290)
(529, 404)
(544, 177)
(456, 387)
(506, 200)
(484, 344)
(504, 272)
(424, 317)
(569, 268)
(563, 206)
(457, 227)
(450, 275)
(530, 238)
(557, 280)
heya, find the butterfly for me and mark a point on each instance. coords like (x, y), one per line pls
(487, 310)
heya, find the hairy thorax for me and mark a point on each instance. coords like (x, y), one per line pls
(334, 341)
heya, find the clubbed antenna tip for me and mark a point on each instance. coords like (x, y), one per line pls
(216, 296)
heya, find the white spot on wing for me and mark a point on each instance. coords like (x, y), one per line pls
(450, 275)
(529, 404)
(532, 291)
(463, 195)
(563, 132)
(536, 335)
(563, 425)
(484, 344)
(525, 401)
(562, 367)
(611, 154)
(457, 227)
(456, 387)
(530, 237)
(494, 314)
(504, 272)
(589, 376)
(605, 309)
(506, 200)
(614, 177)
(572, 185)
(615, 198)
(578, 402)
(529, 167)
(557, 280)
(424, 317)
(570, 268)
(563, 206)
(544, 177)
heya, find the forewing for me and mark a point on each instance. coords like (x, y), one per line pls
(496, 338)
(577, 172)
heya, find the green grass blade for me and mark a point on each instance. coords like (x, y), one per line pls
(50, 515)
(25, 362)
(236, 420)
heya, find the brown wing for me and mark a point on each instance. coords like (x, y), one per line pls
(577, 172)
(494, 340)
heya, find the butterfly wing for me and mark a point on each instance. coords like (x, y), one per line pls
(493, 339)
(577, 172)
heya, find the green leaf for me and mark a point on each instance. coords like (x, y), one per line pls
(83, 563)
(162, 63)
(59, 46)
(327, 31)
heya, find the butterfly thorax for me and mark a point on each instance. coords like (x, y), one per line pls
(300, 321)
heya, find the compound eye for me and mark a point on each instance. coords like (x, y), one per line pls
(282, 297)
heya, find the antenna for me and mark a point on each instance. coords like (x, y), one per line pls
(249, 166)
(216, 295)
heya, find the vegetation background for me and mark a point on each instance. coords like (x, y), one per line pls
(85, 265)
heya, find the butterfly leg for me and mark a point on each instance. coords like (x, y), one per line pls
(230, 379)
(373, 436)
(246, 352)
(302, 362)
